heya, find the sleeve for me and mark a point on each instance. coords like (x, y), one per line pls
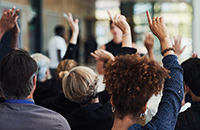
(71, 52)
(173, 92)
(64, 124)
(127, 50)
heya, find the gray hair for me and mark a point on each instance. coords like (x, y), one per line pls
(43, 64)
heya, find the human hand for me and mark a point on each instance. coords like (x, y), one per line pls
(8, 20)
(159, 29)
(194, 55)
(177, 46)
(102, 55)
(15, 30)
(120, 22)
(149, 42)
(73, 24)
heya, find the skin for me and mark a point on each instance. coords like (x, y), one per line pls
(8, 21)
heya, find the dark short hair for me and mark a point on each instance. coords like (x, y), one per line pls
(191, 74)
(16, 74)
(59, 30)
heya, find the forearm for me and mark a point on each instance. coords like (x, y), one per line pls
(126, 39)
(71, 52)
(74, 37)
(15, 42)
(170, 104)
(2, 32)
(100, 67)
(166, 43)
(151, 55)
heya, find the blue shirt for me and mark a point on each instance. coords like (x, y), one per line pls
(170, 104)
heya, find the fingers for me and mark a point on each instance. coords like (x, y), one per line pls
(111, 18)
(149, 18)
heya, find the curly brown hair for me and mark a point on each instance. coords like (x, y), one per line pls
(132, 80)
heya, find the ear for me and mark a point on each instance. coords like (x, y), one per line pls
(111, 100)
(34, 82)
(186, 88)
(144, 108)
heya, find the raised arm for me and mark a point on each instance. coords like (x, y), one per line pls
(71, 50)
(149, 44)
(170, 104)
(8, 21)
(15, 36)
(177, 46)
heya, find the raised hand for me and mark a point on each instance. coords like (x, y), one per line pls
(177, 46)
(102, 55)
(8, 20)
(120, 22)
(194, 54)
(159, 29)
(149, 44)
(15, 30)
(73, 23)
(149, 41)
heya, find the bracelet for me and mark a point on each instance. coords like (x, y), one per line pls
(125, 34)
(166, 50)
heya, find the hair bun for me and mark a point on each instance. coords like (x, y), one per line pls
(63, 73)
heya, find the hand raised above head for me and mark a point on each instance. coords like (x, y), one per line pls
(120, 22)
(73, 23)
(177, 45)
(149, 41)
(8, 20)
(158, 27)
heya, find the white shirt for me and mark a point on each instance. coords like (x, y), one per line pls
(56, 43)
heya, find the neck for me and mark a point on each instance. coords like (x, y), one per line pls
(117, 39)
(123, 124)
(96, 100)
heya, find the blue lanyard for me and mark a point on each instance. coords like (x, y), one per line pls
(20, 101)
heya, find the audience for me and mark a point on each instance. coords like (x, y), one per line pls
(18, 81)
(132, 80)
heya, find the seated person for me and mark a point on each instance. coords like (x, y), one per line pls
(189, 119)
(132, 80)
(80, 86)
(19, 111)
(45, 88)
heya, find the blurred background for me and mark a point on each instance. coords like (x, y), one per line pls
(39, 17)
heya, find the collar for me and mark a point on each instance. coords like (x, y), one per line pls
(20, 101)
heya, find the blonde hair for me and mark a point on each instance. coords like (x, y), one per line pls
(80, 85)
(63, 68)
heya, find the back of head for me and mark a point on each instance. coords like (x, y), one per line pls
(17, 70)
(63, 67)
(59, 30)
(80, 85)
(191, 74)
(43, 64)
(132, 80)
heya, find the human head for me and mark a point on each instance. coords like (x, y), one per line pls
(43, 65)
(132, 80)
(116, 32)
(59, 30)
(63, 67)
(80, 85)
(17, 75)
(191, 74)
